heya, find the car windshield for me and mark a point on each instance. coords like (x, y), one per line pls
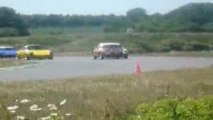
(7, 49)
(112, 46)
(36, 47)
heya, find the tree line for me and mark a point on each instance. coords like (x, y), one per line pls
(11, 23)
(193, 17)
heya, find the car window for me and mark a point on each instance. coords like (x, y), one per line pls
(9, 49)
(34, 47)
(112, 46)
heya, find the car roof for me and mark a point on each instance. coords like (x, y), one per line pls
(106, 44)
(32, 45)
(3, 47)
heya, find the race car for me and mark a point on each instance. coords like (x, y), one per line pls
(34, 51)
(110, 50)
(7, 52)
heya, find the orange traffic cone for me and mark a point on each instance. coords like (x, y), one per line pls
(137, 68)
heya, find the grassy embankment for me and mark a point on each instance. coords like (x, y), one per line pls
(102, 98)
(82, 40)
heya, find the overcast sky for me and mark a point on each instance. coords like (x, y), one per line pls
(93, 7)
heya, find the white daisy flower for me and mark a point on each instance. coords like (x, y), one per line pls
(13, 111)
(10, 108)
(63, 102)
(46, 118)
(35, 108)
(54, 114)
(68, 114)
(20, 118)
(52, 107)
(24, 101)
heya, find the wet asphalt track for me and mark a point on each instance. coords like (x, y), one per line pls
(76, 66)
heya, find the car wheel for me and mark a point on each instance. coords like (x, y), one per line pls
(50, 58)
(26, 57)
(117, 57)
(101, 56)
(18, 58)
(94, 57)
(29, 57)
(125, 56)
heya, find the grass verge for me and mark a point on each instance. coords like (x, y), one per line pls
(100, 98)
(8, 63)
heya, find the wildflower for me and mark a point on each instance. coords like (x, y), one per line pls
(54, 114)
(68, 114)
(13, 111)
(52, 107)
(46, 118)
(63, 102)
(20, 118)
(10, 108)
(35, 108)
(24, 101)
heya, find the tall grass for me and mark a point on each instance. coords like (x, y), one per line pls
(102, 98)
(12, 62)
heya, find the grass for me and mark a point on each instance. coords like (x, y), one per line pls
(64, 30)
(8, 63)
(104, 97)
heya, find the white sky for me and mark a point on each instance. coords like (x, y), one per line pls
(93, 7)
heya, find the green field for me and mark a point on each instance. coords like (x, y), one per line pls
(83, 40)
(106, 97)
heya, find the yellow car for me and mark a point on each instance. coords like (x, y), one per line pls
(34, 52)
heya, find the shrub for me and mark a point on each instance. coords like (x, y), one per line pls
(195, 46)
(8, 31)
(172, 109)
(171, 45)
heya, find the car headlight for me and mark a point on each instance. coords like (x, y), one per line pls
(101, 50)
(125, 51)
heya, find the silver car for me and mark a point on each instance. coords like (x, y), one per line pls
(114, 50)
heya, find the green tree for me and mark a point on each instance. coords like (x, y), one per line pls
(191, 17)
(136, 14)
(12, 22)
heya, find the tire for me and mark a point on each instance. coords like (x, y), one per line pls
(118, 57)
(125, 56)
(50, 58)
(101, 56)
(18, 58)
(94, 57)
(29, 57)
(26, 57)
